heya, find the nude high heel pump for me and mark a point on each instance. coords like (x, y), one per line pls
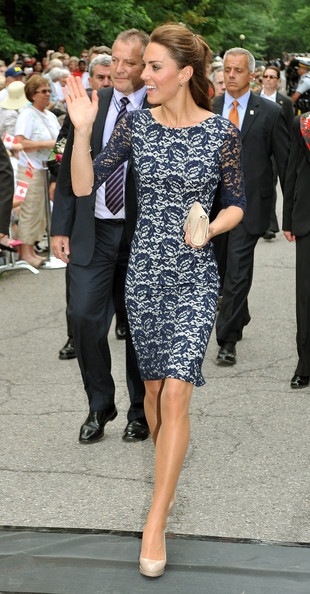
(152, 568)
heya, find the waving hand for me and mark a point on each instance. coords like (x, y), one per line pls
(81, 109)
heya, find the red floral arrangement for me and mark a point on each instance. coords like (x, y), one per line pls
(305, 127)
(55, 158)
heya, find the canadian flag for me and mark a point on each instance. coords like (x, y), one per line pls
(8, 138)
(30, 169)
(21, 191)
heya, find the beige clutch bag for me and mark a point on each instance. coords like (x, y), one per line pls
(198, 221)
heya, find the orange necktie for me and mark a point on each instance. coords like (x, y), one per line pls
(233, 115)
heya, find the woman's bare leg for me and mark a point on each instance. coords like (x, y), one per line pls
(169, 423)
(153, 390)
(27, 253)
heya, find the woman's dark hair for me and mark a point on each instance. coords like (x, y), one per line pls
(187, 49)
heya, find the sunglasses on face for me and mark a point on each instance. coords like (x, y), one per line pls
(44, 91)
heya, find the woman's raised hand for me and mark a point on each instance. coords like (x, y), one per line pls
(81, 109)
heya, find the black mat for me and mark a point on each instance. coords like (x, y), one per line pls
(51, 561)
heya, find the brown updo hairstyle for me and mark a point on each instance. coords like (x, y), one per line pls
(187, 49)
(33, 84)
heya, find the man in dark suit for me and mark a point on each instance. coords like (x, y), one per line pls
(271, 80)
(296, 227)
(93, 240)
(6, 195)
(99, 78)
(264, 134)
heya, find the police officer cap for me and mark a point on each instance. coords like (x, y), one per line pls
(304, 63)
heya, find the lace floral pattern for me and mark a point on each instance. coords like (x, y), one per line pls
(171, 289)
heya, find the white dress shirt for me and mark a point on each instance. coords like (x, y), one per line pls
(272, 97)
(243, 103)
(135, 102)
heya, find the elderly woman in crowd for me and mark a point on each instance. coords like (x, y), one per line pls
(36, 129)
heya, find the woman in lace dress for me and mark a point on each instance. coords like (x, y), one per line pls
(180, 153)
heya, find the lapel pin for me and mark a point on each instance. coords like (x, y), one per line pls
(251, 112)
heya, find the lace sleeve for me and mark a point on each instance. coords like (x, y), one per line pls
(117, 151)
(232, 182)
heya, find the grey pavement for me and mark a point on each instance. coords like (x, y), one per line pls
(247, 469)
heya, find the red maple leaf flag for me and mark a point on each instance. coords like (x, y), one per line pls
(8, 138)
(21, 191)
(30, 166)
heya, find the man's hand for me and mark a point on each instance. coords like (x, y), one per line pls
(289, 236)
(61, 247)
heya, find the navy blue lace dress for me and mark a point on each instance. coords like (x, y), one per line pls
(171, 288)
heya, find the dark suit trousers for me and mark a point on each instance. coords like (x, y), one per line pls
(118, 297)
(90, 314)
(234, 312)
(303, 304)
(69, 330)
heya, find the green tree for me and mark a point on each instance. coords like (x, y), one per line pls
(269, 26)
(75, 24)
(291, 31)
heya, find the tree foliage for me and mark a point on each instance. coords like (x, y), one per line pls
(291, 27)
(269, 26)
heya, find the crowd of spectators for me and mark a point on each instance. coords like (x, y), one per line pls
(56, 66)
(15, 78)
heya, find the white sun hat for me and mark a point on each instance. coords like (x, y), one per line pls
(16, 98)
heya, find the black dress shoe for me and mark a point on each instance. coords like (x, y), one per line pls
(227, 354)
(299, 381)
(68, 351)
(120, 330)
(269, 234)
(93, 428)
(136, 431)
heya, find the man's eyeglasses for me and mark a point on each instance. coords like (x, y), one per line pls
(269, 76)
(44, 91)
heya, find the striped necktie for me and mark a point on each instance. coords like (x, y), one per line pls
(114, 193)
(233, 115)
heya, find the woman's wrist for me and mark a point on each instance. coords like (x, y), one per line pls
(81, 151)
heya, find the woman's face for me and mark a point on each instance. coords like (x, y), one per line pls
(37, 67)
(63, 80)
(72, 65)
(271, 81)
(161, 74)
(41, 97)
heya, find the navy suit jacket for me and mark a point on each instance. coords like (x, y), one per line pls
(264, 134)
(296, 197)
(6, 190)
(288, 109)
(74, 217)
